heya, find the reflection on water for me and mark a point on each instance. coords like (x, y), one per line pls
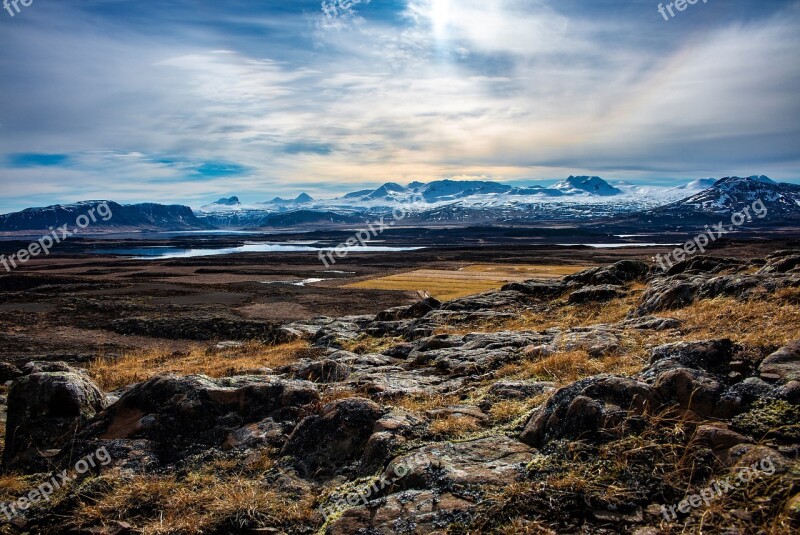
(166, 251)
(616, 245)
(295, 283)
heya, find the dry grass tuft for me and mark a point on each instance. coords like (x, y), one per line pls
(13, 487)
(111, 373)
(453, 426)
(754, 323)
(569, 366)
(200, 502)
(370, 344)
(508, 410)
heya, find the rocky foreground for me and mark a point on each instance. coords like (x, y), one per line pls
(616, 400)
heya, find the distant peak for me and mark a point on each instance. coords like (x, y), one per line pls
(230, 201)
(730, 180)
(303, 197)
(587, 184)
(393, 186)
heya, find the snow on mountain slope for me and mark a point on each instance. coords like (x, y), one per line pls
(781, 202)
(576, 198)
(587, 184)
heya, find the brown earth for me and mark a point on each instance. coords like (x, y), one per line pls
(65, 307)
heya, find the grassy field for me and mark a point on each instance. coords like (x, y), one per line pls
(472, 279)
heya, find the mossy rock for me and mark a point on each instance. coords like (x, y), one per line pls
(775, 419)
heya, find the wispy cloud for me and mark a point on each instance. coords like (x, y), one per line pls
(264, 98)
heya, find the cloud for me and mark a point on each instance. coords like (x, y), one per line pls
(267, 98)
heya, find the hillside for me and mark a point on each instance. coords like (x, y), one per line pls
(108, 216)
(594, 403)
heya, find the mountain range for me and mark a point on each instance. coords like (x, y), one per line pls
(578, 200)
(145, 216)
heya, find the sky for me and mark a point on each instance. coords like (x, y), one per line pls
(187, 101)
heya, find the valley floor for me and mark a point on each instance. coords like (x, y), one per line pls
(509, 390)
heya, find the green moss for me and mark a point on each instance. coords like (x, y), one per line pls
(770, 418)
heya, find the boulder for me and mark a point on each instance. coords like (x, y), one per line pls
(710, 355)
(497, 299)
(621, 272)
(537, 289)
(45, 409)
(705, 264)
(417, 310)
(693, 390)
(597, 340)
(666, 294)
(782, 262)
(324, 443)
(267, 432)
(182, 416)
(589, 408)
(718, 437)
(741, 397)
(390, 432)
(595, 294)
(42, 367)
(783, 365)
(474, 353)
(493, 461)
(651, 323)
(394, 381)
(8, 372)
(413, 512)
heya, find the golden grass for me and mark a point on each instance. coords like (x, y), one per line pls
(138, 366)
(508, 410)
(197, 503)
(563, 316)
(528, 271)
(756, 322)
(469, 280)
(13, 486)
(568, 366)
(453, 426)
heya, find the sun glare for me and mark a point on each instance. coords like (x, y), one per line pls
(440, 17)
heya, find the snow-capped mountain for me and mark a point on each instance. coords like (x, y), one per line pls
(442, 201)
(576, 185)
(730, 195)
(146, 216)
(699, 184)
(447, 202)
(230, 201)
(303, 198)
